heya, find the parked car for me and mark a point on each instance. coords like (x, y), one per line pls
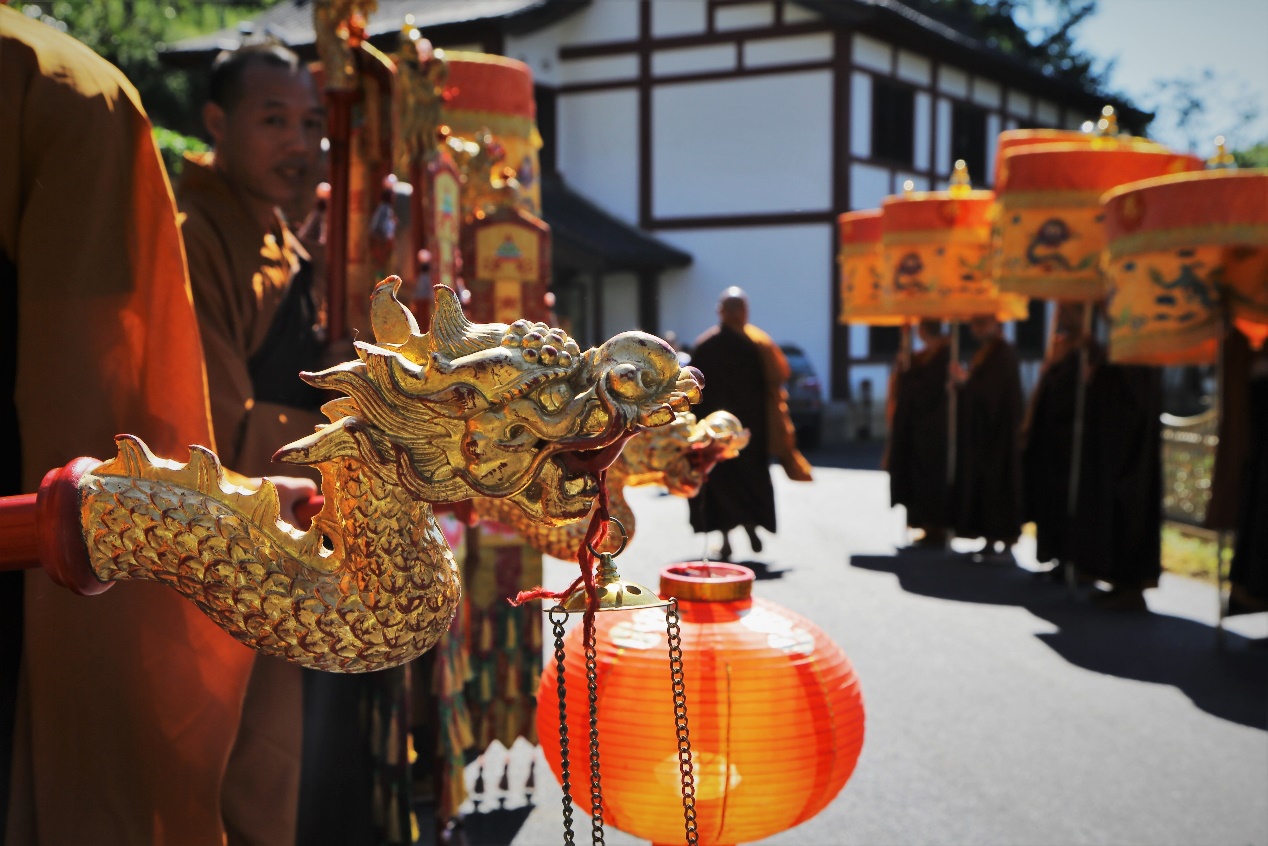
(805, 397)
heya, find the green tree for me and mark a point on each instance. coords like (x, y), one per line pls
(130, 34)
(1199, 105)
(1040, 32)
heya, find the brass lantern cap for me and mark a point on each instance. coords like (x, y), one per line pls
(706, 581)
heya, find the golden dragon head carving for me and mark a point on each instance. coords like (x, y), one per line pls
(681, 454)
(489, 410)
(678, 455)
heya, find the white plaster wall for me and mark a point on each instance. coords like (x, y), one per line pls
(786, 271)
(745, 16)
(763, 52)
(1019, 103)
(914, 68)
(795, 14)
(861, 114)
(598, 22)
(943, 141)
(597, 69)
(872, 54)
(923, 125)
(598, 148)
(858, 341)
(606, 20)
(540, 51)
(715, 57)
(993, 130)
(986, 92)
(678, 17)
(753, 145)
(953, 81)
(877, 374)
(918, 182)
(868, 186)
(1046, 112)
(620, 304)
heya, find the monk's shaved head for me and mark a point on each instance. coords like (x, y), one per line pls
(733, 307)
(230, 66)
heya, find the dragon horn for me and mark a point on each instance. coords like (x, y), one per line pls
(392, 322)
(452, 335)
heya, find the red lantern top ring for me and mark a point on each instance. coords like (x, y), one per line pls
(487, 83)
(860, 227)
(706, 581)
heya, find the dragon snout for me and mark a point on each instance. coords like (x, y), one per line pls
(642, 371)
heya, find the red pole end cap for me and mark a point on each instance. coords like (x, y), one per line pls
(59, 530)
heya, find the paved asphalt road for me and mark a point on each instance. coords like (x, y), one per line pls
(999, 709)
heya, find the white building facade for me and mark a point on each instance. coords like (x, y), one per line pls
(738, 131)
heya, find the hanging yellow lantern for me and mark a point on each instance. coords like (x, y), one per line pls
(861, 261)
(1185, 253)
(1048, 235)
(936, 248)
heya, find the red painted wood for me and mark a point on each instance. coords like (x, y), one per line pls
(18, 550)
(59, 532)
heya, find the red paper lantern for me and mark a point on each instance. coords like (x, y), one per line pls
(775, 711)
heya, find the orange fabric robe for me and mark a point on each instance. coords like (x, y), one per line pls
(240, 275)
(781, 436)
(129, 701)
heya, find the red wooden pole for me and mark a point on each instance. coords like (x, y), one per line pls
(339, 121)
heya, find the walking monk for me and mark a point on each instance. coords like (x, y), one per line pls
(744, 373)
(987, 491)
(917, 455)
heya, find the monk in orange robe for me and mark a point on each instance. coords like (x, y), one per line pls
(128, 702)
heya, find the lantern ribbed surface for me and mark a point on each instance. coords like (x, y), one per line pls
(1182, 250)
(775, 711)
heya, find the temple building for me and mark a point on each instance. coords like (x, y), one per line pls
(694, 144)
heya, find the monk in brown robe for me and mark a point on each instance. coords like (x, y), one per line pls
(252, 279)
(129, 702)
(987, 491)
(917, 454)
(1239, 499)
(1114, 535)
(1048, 443)
(1117, 530)
(744, 373)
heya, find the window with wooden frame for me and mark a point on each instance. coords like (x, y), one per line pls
(968, 140)
(893, 122)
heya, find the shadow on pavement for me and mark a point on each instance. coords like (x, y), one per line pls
(1158, 648)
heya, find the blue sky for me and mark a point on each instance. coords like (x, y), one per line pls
(1154, 40)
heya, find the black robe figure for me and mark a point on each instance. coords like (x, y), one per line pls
(738, 492)
(1046, 456)
(987, 490)
(1119, 514)
(917, 461)
(1249, 572)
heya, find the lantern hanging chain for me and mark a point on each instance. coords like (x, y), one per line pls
(596, 787)
(680, 721)
(557, 624)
